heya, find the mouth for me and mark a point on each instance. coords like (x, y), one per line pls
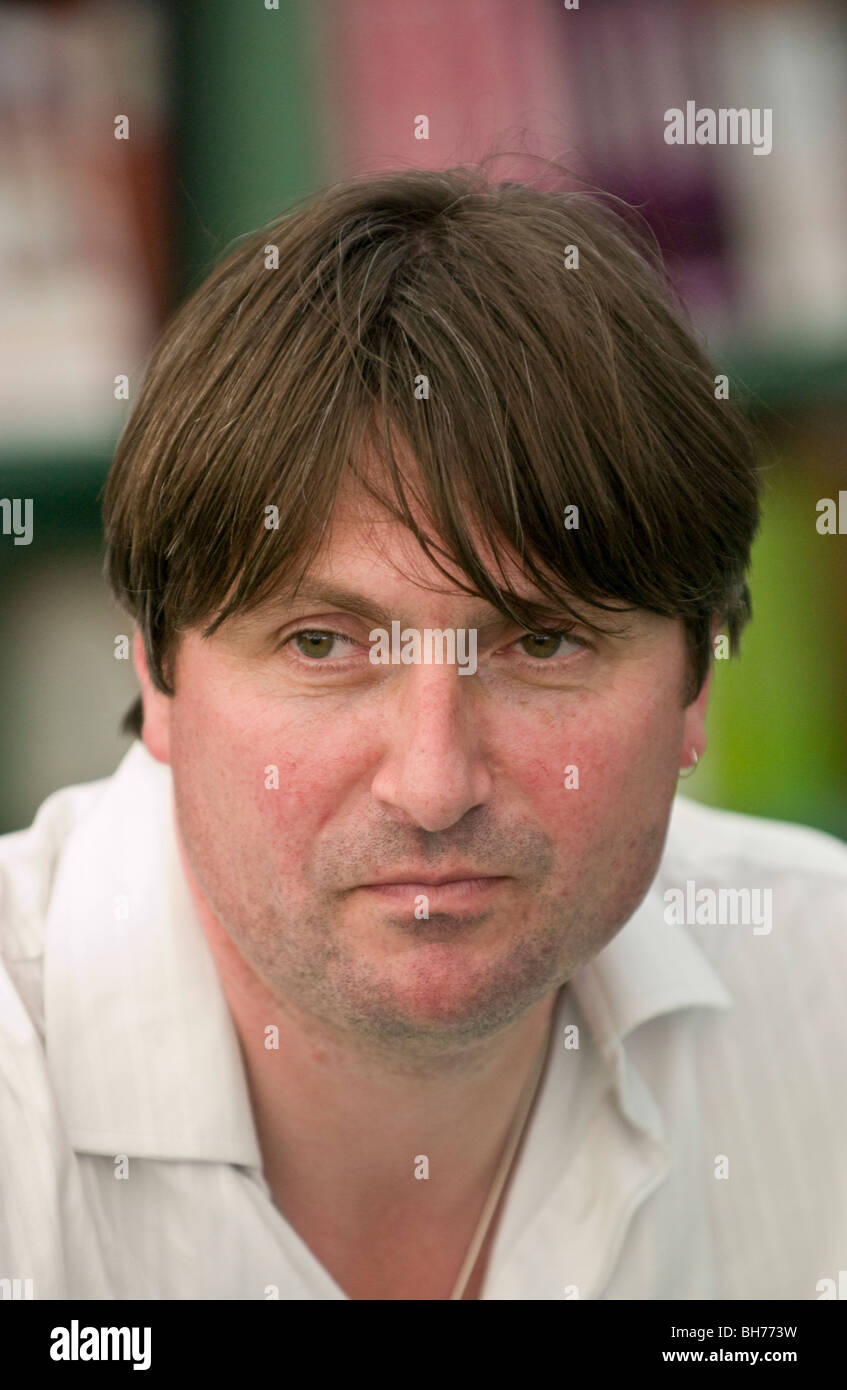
(445, 894)
(460, 873)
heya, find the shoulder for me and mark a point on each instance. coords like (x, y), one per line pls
(702, 837)
(28, 863)
(767, 902)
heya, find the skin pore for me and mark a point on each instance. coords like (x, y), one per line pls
(401, 1036)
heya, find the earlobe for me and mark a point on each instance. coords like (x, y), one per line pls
(694, 729)
(155, 733)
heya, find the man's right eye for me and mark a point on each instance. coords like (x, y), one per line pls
(315, 643)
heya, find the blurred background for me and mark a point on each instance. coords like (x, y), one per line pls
(233, 110)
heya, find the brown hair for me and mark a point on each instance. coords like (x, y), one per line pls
(549, 387)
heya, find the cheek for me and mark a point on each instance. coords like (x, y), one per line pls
(257, 769)
(599, 766)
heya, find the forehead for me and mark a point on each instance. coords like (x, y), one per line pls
(369, 562)
(363, 532)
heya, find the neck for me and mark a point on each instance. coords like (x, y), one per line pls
(345, 1125)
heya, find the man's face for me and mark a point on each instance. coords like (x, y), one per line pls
(413, 772)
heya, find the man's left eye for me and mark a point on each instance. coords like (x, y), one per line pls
(544, 644)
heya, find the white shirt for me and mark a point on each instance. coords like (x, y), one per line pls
(694, 1144)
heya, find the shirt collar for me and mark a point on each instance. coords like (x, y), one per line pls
(141, 1048)
(648, 969)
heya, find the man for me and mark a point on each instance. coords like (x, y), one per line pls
(380, 972)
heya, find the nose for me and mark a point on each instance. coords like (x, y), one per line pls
(434, 768)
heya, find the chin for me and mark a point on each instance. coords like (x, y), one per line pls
(443, 988)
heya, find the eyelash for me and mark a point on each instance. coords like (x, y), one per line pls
(343, 637)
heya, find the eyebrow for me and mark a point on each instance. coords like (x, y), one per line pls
(485, 620)
(361, 605)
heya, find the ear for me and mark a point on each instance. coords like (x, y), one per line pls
(155, 732)
(694, 726)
